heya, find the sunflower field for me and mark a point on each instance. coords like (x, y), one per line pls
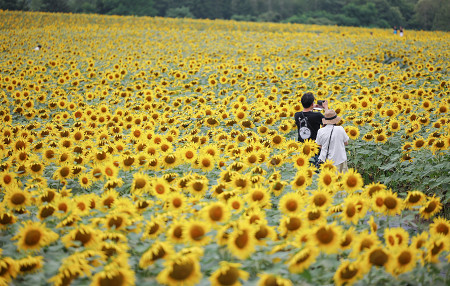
(157, 151)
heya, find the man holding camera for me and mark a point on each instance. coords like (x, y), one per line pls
(309, 122)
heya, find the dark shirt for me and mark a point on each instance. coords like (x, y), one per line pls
(314, 122)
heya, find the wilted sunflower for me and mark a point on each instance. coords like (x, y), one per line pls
(228, 274)
(181, 269)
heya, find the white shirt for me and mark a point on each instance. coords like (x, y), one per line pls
(337, 148)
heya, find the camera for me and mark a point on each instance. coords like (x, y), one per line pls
(320, 102)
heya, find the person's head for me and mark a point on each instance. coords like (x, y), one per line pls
(307, 100)
(331, 117)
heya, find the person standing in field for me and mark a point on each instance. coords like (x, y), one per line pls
(309, 121)
(309, 118)
(333, 139)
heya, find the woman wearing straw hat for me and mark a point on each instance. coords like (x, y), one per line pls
(332, 140)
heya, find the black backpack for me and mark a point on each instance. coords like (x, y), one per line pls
(304, 131)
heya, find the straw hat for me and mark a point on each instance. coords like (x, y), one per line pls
(331, 117)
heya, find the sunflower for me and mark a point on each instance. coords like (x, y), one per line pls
(363, 242)
(241, 241)
(63, 173)
(175, 232)
(396, 237)
(404, 260)
(198, 186)
(82, 235)
(159, 187)
(379, 257)
(435, 246)
(155, 226)
(327, 237)
(315, 215)
(291, 203)
(114, 273)
(351, 181)
(228, 274)
(303, 259)
(29, 264)
(17, 199)
(328, 180)
(273, 280)
(6, 218)
(117, 221)
(205, 162)
(34, 235)
(440, 226)
(141, 184)
(321, 199)
(300, 161)
(175, 201)
(349, 272)
(290, 225)
(353, 132)
(414, 198)
(257, 195)
(188, 154)
(216, 212)
(8, 269)
(195, 232)
(301, 181)
(181, 269)
(431, 207)
(158, 250)
(309, 148)
(236, 204)
(350, 213)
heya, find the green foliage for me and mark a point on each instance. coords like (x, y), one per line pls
(181, 12)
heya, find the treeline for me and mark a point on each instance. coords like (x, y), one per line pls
(410, 14)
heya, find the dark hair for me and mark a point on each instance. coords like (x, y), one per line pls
(307, 99)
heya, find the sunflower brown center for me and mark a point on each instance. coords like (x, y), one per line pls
(18, 199)
(197, 232)
(32, 237)
(325, 235)
(140, 183)
(293, 224)
(351, 210)
(181, 272)
(216, 213)
(320, 200)
(84, 238)
(404, 258)
(242, 239)
(229, 277)
(378, 257)
(348, 274)
(390, 202)
(352, 181)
